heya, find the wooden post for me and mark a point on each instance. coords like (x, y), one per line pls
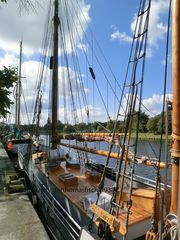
(175, 202)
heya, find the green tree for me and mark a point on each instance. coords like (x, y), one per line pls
(100, 128)
(82, 127)
(60, 126)
(120, 127)
(152, 124)
(94, 126)
(68, 128)
(159, 124)
(8, 76)
(48, 125)
(143, 119)
(143, 122)
(110, 125)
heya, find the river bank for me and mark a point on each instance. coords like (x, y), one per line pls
(150, 136)
(142, 136)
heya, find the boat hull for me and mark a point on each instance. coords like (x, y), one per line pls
(12, 146)
(63, 217)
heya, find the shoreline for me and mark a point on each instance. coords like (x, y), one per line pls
(150, 136)
(142, 136)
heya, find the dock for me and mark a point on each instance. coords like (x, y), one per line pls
(18, 218)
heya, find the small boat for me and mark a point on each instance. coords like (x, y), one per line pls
(15, 139)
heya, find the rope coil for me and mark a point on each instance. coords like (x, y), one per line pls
(172, 227)
(175, 137)
(175, 153)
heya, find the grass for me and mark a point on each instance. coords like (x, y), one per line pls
(150, 136)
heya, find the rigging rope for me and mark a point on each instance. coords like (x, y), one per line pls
(158, 176)
(68, 73)
(143, 105)
(94, 78)
(105, 59)
(26, 109)
(138, 48)
(78, 77)
(141, 45)
(42, 60)
(94, 54)
(79, 81)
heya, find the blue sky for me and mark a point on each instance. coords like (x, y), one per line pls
(112, 25)
(119, 16)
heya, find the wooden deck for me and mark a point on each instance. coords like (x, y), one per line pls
(77, 192)
(142, 198)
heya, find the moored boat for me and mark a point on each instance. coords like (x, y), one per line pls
(83, 200)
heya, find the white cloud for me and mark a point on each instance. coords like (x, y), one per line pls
(9, 60)
(84, 47)
(169, 60)
(95, 114)
(75, 19)
(151, 106)
(157, 29)
(30, 26)
(154, 104)
(121, 36)
(29, 82)
(14, 27)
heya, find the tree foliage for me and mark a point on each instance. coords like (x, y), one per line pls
(48, 125)
(143, 119)
(7, 77)
(146, 125)
(154, 124)
(110, 125)
(68, 128)
(60, 126)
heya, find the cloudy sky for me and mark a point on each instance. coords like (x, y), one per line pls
(99, 29)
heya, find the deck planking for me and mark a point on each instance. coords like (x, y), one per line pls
(76, 193)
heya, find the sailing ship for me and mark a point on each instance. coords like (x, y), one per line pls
(81, 199)
(16, 137)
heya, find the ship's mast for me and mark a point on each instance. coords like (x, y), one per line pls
(55, 76)
(175, 197)
(18, 91)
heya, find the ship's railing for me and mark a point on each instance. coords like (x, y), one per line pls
(148, 182)
(70, 230)
(112, 174)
